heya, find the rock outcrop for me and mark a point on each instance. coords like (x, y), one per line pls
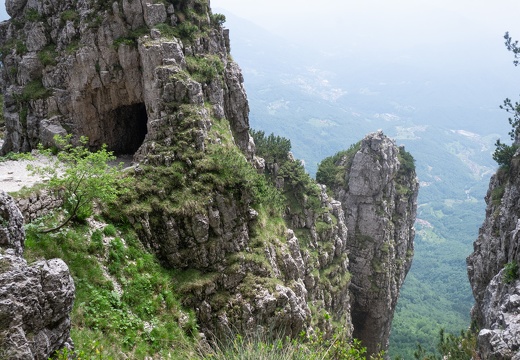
(378, 190)
(496, 252)
(97, 69)
(35, 300)
(155, 79)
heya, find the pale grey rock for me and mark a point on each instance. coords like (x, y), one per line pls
(35, 303)
(30, 68)
(14, 7)
(49, 129)
(380, 206)
(36, 38)
(35, 300)
(500, 336)
(154, 14)
(237, 108)
(12, 233)
(133, 13)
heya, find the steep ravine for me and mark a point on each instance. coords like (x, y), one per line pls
(156, 79)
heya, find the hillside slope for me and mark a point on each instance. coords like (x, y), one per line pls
(249, 252)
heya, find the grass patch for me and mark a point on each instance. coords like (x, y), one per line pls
(48, 55)
(497, 194)
(332, 170)
(131, 38)
(32, 15)
(510, 272)
(205, 69)
(143, 321)
(34, 90)
(69, 15)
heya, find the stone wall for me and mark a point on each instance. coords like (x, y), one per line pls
(37, 204)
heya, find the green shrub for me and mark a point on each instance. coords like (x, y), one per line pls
(34, 90)
(48, 55)
(510, 272)
(205, 69)
(218, 19)
(167, 31)
(407, 162)
(69, 15)
(21, 48)
(497, 194)
(461, 347)
(32, 15)
(131, 38)
(332, 170)
(96, 242)
(79, 178)
(504, 153)
(274, 149)
(72, 47)
(110, 230)
(187, 30)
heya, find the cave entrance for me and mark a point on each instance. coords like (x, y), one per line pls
(125, 128)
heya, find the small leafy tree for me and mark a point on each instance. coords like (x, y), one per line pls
(79, 178)
(513, 47)
(274, 149)
(504, 153)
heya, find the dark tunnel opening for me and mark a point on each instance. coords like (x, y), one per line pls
(125, 128)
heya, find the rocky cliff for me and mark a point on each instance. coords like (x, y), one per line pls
(376, 183)
(100, 69)
(35, 300)
(493, 268)
(155, 79)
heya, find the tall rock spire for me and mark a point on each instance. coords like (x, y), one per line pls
(378, 190)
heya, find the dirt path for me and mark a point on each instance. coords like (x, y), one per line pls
(14, 174)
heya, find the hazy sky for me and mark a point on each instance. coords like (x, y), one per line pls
(385, 24)
(3, 13)
(376, 22)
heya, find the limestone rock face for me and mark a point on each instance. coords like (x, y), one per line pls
(35, 300)
(97, 69)
(379, 198)
(12, 233)
(496, 309)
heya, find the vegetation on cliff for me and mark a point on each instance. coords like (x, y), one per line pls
(195, 242)
(128, 303)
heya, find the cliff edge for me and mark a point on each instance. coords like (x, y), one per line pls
(493, 268)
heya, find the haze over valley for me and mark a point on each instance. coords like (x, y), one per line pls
(431, 77)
